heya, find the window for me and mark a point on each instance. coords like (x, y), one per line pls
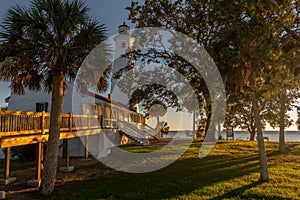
(41, 107)
(123, 45)
(89, 109)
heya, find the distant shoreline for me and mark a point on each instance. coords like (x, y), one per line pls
(272, 136)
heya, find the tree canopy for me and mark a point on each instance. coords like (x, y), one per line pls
(252, 43)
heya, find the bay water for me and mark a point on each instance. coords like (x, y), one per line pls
(290, 136)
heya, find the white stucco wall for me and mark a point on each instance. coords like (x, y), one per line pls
(27, 102)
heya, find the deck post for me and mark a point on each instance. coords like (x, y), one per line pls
(67, 141)
(39, 156)
(66, 149)
(86, 152)
(66, 153)
(43, 122)
(37, 181)
(89, 122)
(66, 145)
(39, 162)
(7, 180)
(70, 122)
(42, 153)
(7, 163)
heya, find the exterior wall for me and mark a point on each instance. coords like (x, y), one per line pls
(27, 102)
(71, 103)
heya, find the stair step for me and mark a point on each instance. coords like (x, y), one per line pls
(135, 133)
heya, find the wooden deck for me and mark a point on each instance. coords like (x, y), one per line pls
(22, 128)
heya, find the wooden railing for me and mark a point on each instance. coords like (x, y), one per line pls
(16, 123)
(22, 128)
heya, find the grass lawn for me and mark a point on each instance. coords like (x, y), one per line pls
(230, 171)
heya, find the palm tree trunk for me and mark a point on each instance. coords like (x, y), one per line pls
(282, 123)
(264, 172)
(49, 172)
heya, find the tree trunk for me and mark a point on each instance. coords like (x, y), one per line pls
(252, 134)
(252, 127)
(207, 122)
(282, 123)
(264, 172)
(49, 172)
(219, 130)
(157, 127)
(194, 123)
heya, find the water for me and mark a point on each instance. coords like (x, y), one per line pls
(290, 136)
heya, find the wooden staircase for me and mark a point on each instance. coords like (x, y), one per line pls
(137, 140)
(139, 133)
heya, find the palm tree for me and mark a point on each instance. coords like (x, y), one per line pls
(42, 47)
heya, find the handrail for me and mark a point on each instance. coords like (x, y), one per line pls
(142, 133)
(14, 123)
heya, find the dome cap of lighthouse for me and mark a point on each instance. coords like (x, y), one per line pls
(124, 28)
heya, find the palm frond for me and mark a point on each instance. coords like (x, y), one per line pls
(49, 35)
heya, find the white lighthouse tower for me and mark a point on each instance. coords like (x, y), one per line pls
(121, 89)
(122, 40)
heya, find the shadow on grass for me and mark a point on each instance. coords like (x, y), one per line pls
(236, 192)
(181, 178)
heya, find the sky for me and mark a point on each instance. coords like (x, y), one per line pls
(112, 13)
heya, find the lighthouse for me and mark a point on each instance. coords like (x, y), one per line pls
(122, 88)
